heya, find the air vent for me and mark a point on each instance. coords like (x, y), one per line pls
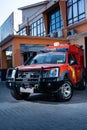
(71, 32)
(57, 34)
(54, 34)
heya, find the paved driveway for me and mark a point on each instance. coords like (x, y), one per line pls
(42, 113)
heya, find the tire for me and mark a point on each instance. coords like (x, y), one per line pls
(65, 91)
(82, 85)
(83, 82)
(19, 96)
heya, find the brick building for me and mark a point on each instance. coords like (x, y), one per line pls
(44, 23)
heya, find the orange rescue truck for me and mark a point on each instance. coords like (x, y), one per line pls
(56, 70)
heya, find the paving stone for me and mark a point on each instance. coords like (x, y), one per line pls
(39, 113)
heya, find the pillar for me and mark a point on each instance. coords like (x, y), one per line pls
(16, 58)
(3, 59)
(45, 22)
(62, 4)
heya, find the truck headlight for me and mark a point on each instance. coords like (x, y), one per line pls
(53, 73)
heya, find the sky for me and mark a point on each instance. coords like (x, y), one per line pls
(6, 8)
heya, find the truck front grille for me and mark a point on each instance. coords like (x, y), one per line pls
(34, 75)
(29, 76)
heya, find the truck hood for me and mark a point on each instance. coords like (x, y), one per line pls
(37, 66)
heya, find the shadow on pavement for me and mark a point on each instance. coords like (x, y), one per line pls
(78, 97)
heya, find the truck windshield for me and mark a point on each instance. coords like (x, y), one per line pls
(49, 58)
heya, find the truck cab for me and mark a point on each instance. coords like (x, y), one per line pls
(56, 70)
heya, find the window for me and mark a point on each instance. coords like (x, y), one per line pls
(37, 28)
(22, 31)
(50, 58)
(55, 21)
(75, 11)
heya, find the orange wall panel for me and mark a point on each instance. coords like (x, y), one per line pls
(81, 28)
(3, 60)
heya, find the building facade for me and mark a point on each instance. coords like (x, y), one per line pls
(44, 23)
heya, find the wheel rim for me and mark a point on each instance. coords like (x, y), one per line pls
(66, 90)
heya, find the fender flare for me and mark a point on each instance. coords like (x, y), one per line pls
(65, 74)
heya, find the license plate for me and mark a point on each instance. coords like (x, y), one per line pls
(26, 90)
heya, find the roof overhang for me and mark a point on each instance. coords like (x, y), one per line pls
(11, 37)
(6, 40)
(34, 5)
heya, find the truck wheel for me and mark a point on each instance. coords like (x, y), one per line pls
(83, 84)
(65, 91)
(19, 96)
(84, 79)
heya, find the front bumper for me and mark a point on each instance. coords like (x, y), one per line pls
(40, 87)
(33, 84)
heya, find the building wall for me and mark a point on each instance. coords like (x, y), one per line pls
(78, 41)
(31, 15)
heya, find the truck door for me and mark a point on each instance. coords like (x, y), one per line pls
(75, 68)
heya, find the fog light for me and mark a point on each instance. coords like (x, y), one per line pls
(49, 84)
(10, 84)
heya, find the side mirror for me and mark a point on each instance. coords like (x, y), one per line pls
(72, 62)
(35, 61)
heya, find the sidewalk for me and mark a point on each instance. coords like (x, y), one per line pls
(2, 83)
